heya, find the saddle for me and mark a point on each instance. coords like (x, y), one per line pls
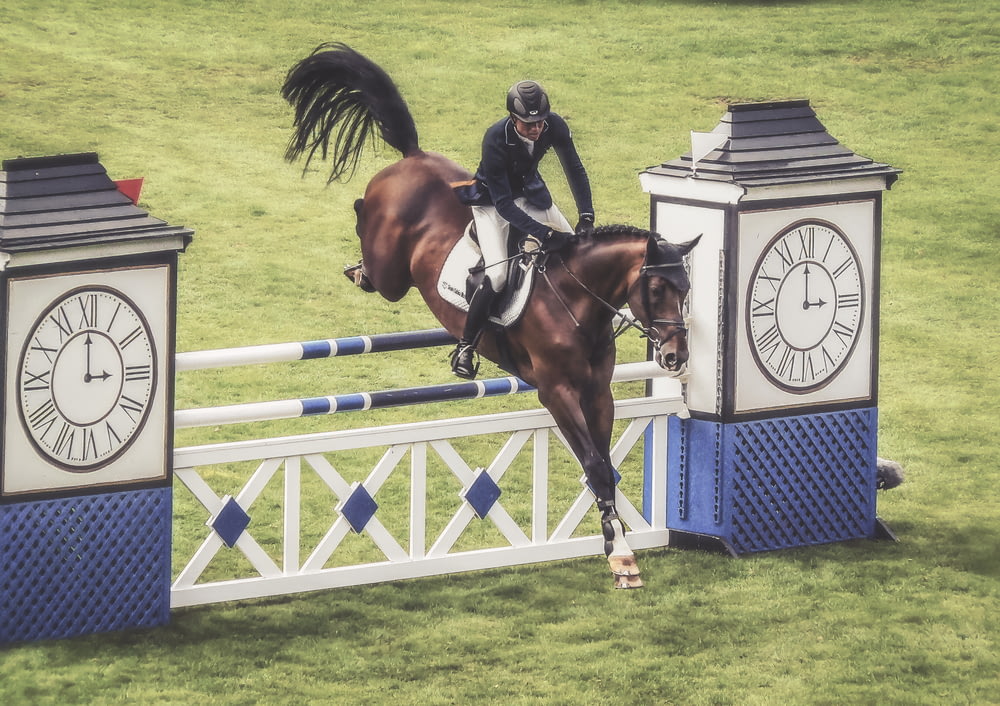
(464, 270)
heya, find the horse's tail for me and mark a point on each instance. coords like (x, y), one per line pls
(338, 92)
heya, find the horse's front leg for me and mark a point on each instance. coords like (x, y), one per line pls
(621, 559)
(583, 408)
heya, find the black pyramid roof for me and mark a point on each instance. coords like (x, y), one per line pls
(776, 143)
(69, 200)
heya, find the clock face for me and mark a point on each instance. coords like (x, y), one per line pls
(805, 306)
(86, 378)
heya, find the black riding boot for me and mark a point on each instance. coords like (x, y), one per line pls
(462, 363)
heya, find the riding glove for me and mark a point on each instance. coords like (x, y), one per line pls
(586, 224)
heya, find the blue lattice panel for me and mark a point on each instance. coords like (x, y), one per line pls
(81, 565)
(774, 483)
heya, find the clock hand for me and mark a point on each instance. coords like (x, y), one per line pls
(808, 304)
(87, 377)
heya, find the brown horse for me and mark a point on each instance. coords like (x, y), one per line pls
(408, 222)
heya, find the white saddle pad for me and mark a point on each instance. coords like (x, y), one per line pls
(451, 286)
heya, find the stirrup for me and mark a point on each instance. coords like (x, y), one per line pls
(464, 361)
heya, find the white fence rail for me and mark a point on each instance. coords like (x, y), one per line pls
(283, 461)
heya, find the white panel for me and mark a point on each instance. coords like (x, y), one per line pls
(679, 223)
(25, 469)
(756, 229)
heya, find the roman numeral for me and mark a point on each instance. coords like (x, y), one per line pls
(848, 301)
(768, 341)
(88, 311)
(827, 358)
(773, 281)
(786, 365)
(807, 242)
(808, 367)
(45, 350)
(842, 268)
(844, 333)
(129, 406)
(130, 338)
(44, 416)
(114, 316)
(113, 438)
(36, 382)
(763, 308)
(785, 253)
(61, 320)
(138, 372)
(89, 444)
(64, 441)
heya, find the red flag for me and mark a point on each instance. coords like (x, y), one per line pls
(131, 188)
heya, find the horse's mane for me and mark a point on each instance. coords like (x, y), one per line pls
(604, 231)
(609, 231)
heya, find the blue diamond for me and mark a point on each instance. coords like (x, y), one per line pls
(230, 521)
(359, 508)
(482, 494)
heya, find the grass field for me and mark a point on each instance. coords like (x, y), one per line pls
(185, 93)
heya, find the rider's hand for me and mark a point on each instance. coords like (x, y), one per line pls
(531, 244)
(585, 226)
(555, 241)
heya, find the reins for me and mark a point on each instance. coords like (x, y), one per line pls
(652, 333)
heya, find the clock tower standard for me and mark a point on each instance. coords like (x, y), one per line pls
(780, 449)
(88, 290)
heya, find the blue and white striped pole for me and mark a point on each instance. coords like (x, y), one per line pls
(311, 350)
(352, 402)
(357, 401)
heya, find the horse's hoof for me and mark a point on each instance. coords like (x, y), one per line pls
(626, 571)
(623, 565)
(622, 581)
(356, 274)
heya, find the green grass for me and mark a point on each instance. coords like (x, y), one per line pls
(186, 95)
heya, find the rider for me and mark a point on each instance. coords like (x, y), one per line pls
(508, 191)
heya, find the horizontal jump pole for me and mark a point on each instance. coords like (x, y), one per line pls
(311, 350)
(332, 404)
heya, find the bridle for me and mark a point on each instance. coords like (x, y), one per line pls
(651, 332)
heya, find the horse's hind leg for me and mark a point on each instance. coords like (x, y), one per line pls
(356, 273)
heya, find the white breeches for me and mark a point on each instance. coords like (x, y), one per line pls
(494, 231)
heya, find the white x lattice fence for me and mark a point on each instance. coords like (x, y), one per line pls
(285, 461)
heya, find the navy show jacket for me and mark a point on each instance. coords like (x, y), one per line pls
(508, 171)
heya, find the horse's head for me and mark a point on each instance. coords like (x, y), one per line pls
(657, 299)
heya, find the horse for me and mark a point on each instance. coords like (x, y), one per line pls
(410, 218)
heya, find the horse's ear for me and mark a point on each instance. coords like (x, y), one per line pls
(652, 248)
(687, 247)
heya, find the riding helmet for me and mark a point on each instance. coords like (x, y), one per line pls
(528, 102)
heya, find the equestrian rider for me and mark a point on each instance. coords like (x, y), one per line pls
(508, 191)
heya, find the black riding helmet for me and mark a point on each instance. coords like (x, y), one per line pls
(528, 102)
